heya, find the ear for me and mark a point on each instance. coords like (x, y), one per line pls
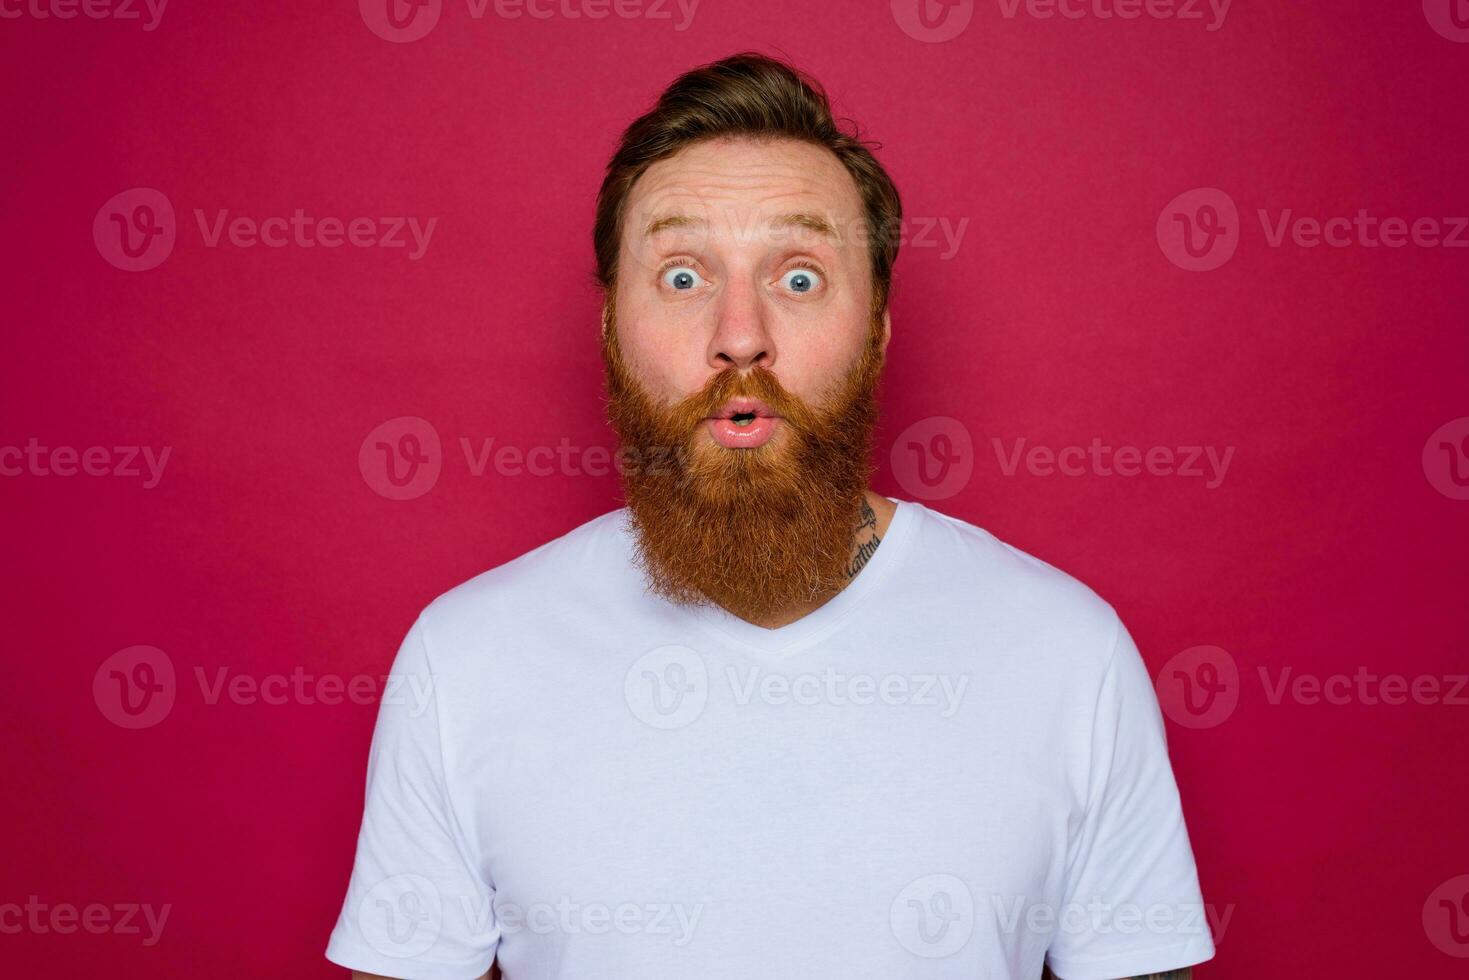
(887, 329)
(606, 315)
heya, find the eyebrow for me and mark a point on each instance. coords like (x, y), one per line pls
(795, 219)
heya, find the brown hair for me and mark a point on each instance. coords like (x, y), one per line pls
(747, 94)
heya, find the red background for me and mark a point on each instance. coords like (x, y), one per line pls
(1322, 829)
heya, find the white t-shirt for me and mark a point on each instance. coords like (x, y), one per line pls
(955, 768)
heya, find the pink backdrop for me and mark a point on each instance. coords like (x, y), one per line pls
(1119, 343)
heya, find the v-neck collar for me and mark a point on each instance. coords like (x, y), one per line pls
(821, 621)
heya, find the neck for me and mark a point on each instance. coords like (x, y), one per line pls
(876, 514)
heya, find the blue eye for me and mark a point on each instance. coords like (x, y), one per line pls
(681, 277)
(801, 280)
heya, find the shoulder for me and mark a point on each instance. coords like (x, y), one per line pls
(566, 569)
(1011, 588)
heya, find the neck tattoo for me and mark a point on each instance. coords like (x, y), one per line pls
(864, 541)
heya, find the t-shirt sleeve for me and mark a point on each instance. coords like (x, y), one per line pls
(1132, 903)
(417, 908)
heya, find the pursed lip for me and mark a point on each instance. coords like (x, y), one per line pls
(745, 406)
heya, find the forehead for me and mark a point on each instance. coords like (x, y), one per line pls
(743, 178)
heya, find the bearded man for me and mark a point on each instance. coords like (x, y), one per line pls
(763, 722)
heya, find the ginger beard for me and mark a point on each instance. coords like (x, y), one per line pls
(758, 531)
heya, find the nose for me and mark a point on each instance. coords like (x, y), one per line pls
(741, 333)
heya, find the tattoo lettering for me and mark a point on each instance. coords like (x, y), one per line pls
(865, 541)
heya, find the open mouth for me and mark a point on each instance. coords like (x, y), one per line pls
(743, 423)
(744, 411)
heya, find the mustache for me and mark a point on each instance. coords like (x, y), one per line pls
(759, 383)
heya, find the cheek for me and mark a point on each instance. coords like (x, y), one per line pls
(811, 367)
(668, 363)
